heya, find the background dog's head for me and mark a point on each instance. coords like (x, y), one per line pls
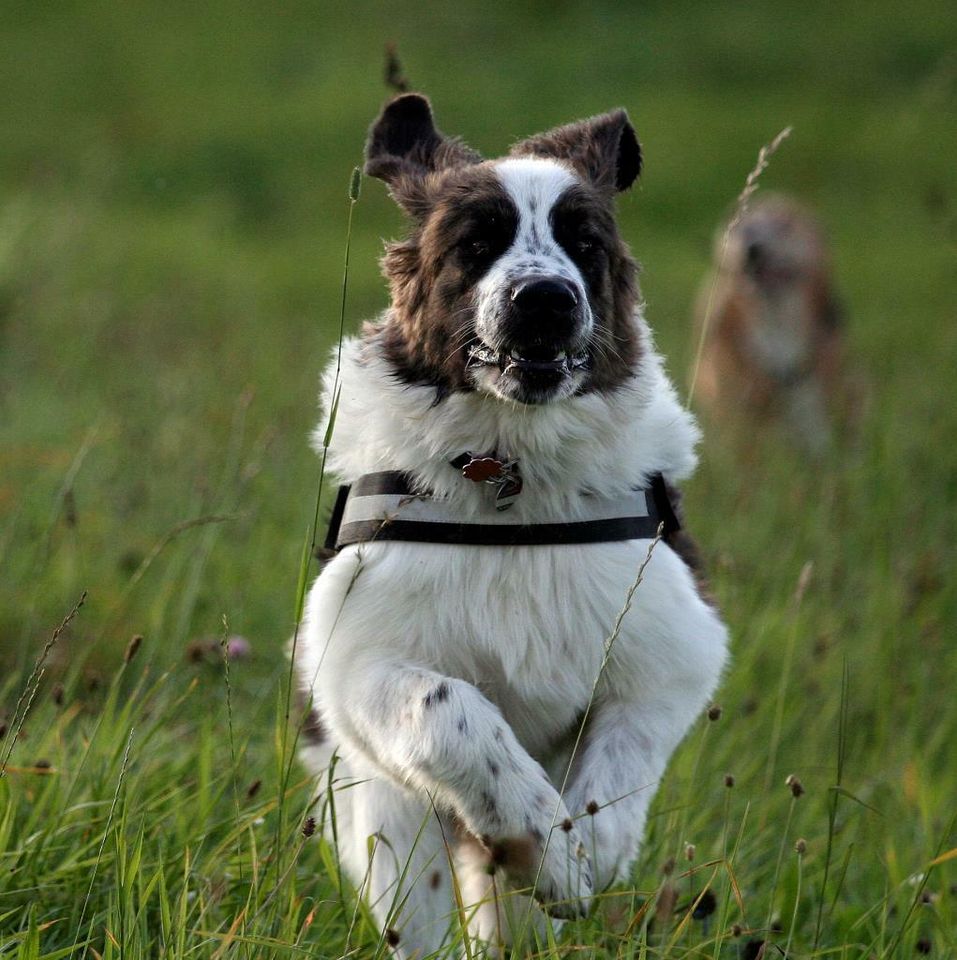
(778, 265)
(776, 244)
(515, 280)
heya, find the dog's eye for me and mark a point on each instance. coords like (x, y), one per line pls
(479, 248)
(585, 245)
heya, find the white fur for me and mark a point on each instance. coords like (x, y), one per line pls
(515, 639)
(534, 185)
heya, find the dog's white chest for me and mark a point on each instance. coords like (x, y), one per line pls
(520, 623)
(528, 626)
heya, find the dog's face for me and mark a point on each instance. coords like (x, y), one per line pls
(777, 259)
(515, 280)
(775, 245)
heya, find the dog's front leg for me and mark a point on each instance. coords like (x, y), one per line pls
(615, 775)
(441, 736)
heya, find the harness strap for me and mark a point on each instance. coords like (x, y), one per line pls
(385, 506)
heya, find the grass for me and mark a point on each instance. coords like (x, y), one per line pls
(172, 221)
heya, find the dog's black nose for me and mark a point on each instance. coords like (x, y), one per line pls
(545, 298)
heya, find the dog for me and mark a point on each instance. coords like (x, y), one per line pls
(509, 446)
(773, 343)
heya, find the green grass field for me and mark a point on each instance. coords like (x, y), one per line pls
(173, 204)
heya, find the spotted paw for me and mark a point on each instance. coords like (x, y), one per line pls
(560, 875)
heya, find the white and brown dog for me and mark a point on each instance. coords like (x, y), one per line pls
(458, 643)
(773, 344)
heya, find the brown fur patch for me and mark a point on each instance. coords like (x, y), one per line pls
(610, 273)
(313, 729)
(603, 150)
(433, 273)
(687, 547)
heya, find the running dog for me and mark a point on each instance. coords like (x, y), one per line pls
(773, 346)
(497, 697)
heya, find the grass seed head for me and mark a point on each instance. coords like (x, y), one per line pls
(729, 780)
(714, 712)
(667, 901)
(803, 582)
(132, 647)
(395, 78)
(795, 785)
(591, 808)
(801, 847)
(308, 826)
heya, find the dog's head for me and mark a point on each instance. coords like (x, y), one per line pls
(777, 244)
(514, 280)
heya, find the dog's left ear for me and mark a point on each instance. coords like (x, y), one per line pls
(404, 147)
(603, 149)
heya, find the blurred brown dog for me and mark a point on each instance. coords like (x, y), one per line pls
(773, 344)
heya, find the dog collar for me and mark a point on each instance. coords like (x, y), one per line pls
(385, 506)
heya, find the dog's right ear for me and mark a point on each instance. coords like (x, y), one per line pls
(404, 148)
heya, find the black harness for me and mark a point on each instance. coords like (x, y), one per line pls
(385, 506)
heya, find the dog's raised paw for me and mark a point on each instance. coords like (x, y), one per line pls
(559, 873)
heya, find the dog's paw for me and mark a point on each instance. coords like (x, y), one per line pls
(566, 883)
(558, 872)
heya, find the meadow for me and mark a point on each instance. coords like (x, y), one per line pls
(173, 210)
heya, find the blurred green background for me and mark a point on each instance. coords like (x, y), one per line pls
(172, 220)
(172, 217)
(173, 205)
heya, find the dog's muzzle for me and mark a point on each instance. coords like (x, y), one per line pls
(541, 339)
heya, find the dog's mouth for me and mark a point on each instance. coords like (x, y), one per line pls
(531, 359)
(534, 373)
